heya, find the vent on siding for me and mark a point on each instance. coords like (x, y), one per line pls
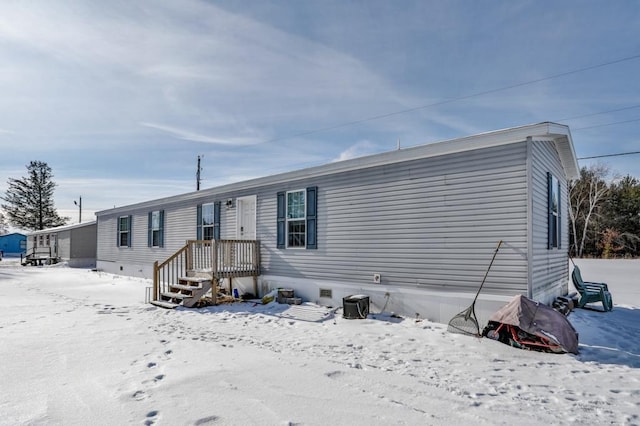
(326, 292)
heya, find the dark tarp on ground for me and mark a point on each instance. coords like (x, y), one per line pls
(540, 320)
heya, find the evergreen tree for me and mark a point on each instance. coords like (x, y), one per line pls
(29, 200)
(3, 225)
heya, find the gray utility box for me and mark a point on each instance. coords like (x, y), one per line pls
(355, 306)
(284, 294)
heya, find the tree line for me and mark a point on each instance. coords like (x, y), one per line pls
(604, 214)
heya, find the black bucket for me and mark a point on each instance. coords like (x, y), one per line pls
(355, 306)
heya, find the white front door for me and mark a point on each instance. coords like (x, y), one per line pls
(246, 218)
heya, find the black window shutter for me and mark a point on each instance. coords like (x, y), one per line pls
(199, 223)
(281, 234)
(150, 230)
(35, 240)
(550, 218)
(559, 223)
(216, 220)
(312, 217)
(130, 234)
(161, 232)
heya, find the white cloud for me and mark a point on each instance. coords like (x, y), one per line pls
(195, 137)
(358, 150)
(189, 70)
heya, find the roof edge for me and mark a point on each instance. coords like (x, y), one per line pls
(61, 228)
(558, 132)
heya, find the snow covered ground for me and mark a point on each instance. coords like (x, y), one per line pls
(81, 348)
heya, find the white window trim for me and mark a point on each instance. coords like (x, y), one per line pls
(287, 219)
(155, 229)
(120, 231)
(213, 219)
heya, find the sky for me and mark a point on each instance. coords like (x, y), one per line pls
(120, 98)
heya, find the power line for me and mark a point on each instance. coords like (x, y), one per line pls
(596, 113)
(606, 124)
(459, 98)
(610, 155)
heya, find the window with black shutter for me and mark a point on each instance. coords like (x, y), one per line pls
(554, 212)
(297, 218)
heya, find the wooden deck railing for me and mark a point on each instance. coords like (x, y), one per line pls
(236, 258)
(214, 258)
(36, 252)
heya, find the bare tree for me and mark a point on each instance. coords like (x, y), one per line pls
(585, 197)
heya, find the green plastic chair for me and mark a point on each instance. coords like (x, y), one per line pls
(591, 292)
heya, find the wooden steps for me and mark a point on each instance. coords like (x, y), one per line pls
(187, 292)
(164, 304)
(199, 267)
(196, 280)
(175, 295)
(186, 287)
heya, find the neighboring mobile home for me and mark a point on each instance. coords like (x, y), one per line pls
(75, 244)
(414, 229)
(12, 244)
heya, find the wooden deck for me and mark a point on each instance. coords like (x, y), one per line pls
(39, 258)
(202, 261)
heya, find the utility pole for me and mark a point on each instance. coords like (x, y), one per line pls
(79, 204)
(198, 175)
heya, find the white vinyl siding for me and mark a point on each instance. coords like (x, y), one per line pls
(550, 270)
(428, 223)
(182, 217)
(182, 228)
(422, 222)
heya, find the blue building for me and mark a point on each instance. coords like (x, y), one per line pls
(13, 244)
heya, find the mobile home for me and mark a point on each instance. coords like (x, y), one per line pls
(414, 228)
(75, 244)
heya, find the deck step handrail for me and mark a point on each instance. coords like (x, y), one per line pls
(216, 259)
